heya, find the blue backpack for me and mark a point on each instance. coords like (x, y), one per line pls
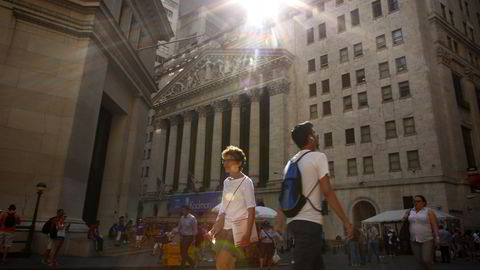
(291, 197)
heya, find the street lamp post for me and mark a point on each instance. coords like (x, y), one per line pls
(40, 187)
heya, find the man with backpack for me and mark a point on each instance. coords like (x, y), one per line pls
(305, 180)
(47, 229)
(8, 222)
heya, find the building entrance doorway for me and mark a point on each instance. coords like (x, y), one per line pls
(361, 211)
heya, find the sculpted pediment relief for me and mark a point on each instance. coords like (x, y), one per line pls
(215, 68)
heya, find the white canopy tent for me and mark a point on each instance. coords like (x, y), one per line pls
(394, 216)
(261, 212)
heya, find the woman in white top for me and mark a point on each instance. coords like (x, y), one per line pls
(238, 202)
(423, 232)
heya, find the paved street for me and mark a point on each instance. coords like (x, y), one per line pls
(145, 261)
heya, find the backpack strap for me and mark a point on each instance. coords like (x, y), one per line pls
(301, 157)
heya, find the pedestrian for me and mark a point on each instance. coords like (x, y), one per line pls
(8, 222)
(58, 233)
(238, 203)
(94, 234)
(353, 246)
(140, 229)
(120, 231)
(306, 226)
(159, 239)
(423, 232)
(363, 247)
(46, 230)
(267, 244)
(188, 229)
(391, 243)
(445, 241)
(372, 241)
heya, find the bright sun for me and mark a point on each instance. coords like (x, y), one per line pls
(260, 10)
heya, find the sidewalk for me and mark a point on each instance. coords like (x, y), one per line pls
(145, 261)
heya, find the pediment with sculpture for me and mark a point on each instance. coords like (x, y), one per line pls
(214, 68)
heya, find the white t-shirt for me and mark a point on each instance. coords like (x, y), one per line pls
(313, 166)
(244, 198)
(273, 235)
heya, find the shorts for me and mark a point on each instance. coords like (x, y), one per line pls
(139, 237)
(6, 239)
(224, 241)
(267, 250)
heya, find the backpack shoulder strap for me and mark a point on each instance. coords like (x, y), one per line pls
(300, 157)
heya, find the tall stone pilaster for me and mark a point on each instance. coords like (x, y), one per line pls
(219, 107)
(235, 122)
(172, 146)
(185, 153)
(278, 108)
(200, 148)
(158, 147)
(254, 148)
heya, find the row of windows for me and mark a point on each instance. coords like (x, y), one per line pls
(147, 153)
(149, 137)
(394, 164)
(467, 30)
(341, 23)
(145, 171)
(365, 132)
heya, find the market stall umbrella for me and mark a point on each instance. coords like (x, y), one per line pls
(261, 212)
(393, 216)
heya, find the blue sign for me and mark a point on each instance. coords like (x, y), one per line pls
(200, 202)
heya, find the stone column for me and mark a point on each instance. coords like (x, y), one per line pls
(172, 145)
(254, 148)
(185, 153)
(158, 147)
(200, 149)
(235, 122)
(277, 146)
(219, 107)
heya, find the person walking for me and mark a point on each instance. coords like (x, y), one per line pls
(373, 237)
(188, 229)
(267, 240)
(8, 222)
(423, 232)
(58, 233)
(445, 240)
(238, 203)
(94, 234)
(120, 229)
(353, 246)
(306, 226)
(140, 229)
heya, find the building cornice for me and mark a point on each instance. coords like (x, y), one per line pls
(454, 32)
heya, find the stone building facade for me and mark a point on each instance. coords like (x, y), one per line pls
(390, 85)
(74, 98)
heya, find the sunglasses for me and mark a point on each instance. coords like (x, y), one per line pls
(418, 201)
(225, 160)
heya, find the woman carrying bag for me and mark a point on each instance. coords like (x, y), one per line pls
(238, 203)
(423, 232)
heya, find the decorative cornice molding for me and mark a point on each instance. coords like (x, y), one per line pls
(255, 95)
(235, 101)
(174, 120)
(187, 116)
(443, 56)
(160, 123)
(202, 111)
(219, 105)
(281, 86)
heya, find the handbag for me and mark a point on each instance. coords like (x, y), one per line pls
(276, 258)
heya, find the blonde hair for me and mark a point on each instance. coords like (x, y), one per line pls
(236, 153)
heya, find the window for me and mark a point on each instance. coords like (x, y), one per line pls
(472, 36)
(311, 65)
(392, 5)
(352, 166)
(338, 2)
(449, 42)
(150, 136)
(321, 6)
(327, 140)
(390, 129)
(367, 165)
(358, 50)
(413, 160)
(376, 9)
(383, 70)
(313, 111)
(343, 55)
(362, 100)
(404, 89)
(326, 86)
(465, 28)
(458, 87)
(147, 171)
(387, 93)
(322, 31)
(397, 37)
(149, 153)
(452, 20)
(346, 80)
(408, 126)
(355, 17)
(401, 64)
(467, 143)
(349, 136)
(394, 162)
(331, 168)
(444, 14)
(341, 27)
(381, 42)
(455, 46)
(312, 89)
(365, 136)
(467, 9)
(460, 5)
(347, 103)
(310, 36)
(360, 74)
(327, 109)
(478, 19)
(324, 61)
